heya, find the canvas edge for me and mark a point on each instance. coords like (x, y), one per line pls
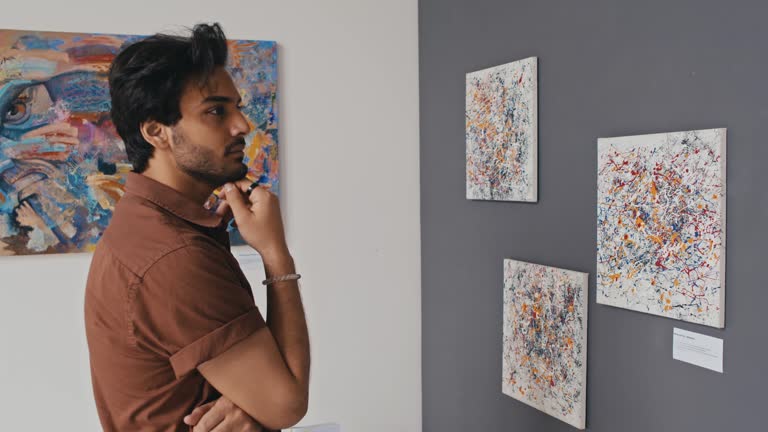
(723, 132)
(652, 135)
(503, 320)
(600, 144)
(468, 195)
(646, 135)
(97, 33)
(509, 63)
(585, 353)
(534, 181)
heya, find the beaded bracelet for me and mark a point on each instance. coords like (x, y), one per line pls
(287, 277)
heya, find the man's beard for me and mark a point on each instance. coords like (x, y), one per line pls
(197, 162)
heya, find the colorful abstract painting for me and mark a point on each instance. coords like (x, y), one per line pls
(661, 224)
(545, 339)
(502, 132)
(62, 163)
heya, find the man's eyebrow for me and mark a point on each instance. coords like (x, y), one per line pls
(221, 99)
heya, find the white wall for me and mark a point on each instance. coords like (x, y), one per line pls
(349, 143)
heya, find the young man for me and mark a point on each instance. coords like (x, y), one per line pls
(175, 338)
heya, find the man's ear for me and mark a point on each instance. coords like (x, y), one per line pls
(156, 134)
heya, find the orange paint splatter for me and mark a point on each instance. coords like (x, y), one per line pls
(656, 239)
(569, 342)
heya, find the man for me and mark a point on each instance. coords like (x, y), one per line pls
(171, 323)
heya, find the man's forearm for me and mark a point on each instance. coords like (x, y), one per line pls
(285, 317)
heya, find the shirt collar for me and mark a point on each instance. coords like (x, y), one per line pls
(171, 200)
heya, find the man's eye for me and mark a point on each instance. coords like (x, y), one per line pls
(217, 111)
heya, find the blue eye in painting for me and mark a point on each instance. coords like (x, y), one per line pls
(24, 108)
(18, 112)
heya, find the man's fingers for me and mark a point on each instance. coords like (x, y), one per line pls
(224, 210)
(236, 200)
(243, 184)
(196, 414)
(224, 426)
(209, 420)
(238, 424)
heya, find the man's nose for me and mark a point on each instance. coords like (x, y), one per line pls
(241, 125)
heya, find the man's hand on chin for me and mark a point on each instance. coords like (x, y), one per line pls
(223, 415)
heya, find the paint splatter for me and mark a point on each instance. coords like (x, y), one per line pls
(545, 339)
(501, 132)
(62, 163)
(661, 224)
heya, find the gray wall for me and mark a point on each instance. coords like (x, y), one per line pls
(606, 68)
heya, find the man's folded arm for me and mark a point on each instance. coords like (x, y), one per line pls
(253, 375)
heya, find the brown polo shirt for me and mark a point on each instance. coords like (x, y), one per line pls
(164, 295)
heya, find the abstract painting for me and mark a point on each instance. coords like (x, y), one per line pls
(502, 132)
(661, 224)
(545, 339)
(62, 164)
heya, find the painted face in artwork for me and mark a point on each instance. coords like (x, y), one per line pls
(62, 163)
(57, 144)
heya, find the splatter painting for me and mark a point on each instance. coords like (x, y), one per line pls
(661, 224)
(502, 132)
(62, 163)
(545, 339)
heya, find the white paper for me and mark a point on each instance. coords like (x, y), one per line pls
(253, 269)
(247, 257)
(328, 427)
(698, 349)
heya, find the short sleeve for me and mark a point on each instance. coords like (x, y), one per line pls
(192, 306)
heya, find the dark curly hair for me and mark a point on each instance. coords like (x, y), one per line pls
(147, 78)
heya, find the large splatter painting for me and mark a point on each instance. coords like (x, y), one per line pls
(661, 224)
(62, 163)
(502, 132)
(545, 339)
